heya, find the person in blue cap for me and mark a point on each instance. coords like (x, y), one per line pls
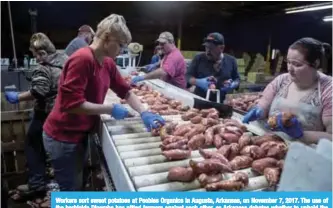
(213, 67)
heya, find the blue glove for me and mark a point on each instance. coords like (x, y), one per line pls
(150, 67)
(12, 97)
(229, 87)
(254, 114)
(137, 79)
(203, 83)
(294, 131)
(119, 112)
(151, 120)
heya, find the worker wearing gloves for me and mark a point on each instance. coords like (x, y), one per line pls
(158, 54)
(213, 67)
(303, 91)
(172, 68)
(83, 39)
(83, 85)
(155, 60)
(44, 86)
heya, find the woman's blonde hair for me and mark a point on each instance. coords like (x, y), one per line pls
(39, 41)
(116, 25)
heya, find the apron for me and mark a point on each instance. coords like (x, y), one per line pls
(309, 115)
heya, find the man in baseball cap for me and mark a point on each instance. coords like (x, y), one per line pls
(172, 68)
(213, 68)
(83, 39)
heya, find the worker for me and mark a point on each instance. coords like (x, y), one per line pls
(172, 68)
(83, 39)
(44, 87)
(83, 85)
(158, 54)
(213, 67)
(303, 91)
(155, 60)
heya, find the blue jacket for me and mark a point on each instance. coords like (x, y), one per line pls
(202, 67)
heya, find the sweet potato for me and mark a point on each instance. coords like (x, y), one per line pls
(213, 155)
(196, 141)
(176, 154)
(208, 166)
(225, 185)
(230, 137)
(205, 179)
(265, 138)
(240, 162)
(267, 162)
(253, 151)
(174, 145)
(187, 116)
(181, 174)
(209, 136)
(218, 141)
(244, 140)
(171, 139)
(241, 177)
(272, 175)
(196, 119)
(234, 151)
(225, 150)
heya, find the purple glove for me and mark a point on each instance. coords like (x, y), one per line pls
(294, 131)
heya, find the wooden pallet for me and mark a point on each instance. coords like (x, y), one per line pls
(14, 125)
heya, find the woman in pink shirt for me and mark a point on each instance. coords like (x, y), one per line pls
(303, 91)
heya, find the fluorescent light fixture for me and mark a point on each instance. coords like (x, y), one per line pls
(327, 19)
(309, 8)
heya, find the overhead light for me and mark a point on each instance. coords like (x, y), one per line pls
(327, 19)
(308, 8)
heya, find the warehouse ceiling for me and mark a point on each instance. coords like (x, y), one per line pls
(152, 12)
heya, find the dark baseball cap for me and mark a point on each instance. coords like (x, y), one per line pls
(216, 38)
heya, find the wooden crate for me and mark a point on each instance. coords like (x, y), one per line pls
(14, 125)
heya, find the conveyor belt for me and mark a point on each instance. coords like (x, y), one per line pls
(136, 163)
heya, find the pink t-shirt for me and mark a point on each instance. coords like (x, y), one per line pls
(279, 87)
(174, 65)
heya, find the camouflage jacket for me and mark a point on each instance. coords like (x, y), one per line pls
(44, 81)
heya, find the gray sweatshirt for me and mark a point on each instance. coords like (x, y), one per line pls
(75, 45)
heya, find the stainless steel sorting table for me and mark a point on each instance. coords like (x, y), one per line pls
(134, 158)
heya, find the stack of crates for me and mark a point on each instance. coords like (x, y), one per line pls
(241, 69)
(190, 54)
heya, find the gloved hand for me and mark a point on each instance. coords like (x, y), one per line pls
(254, 114)
(229, 86)
(137, 79)
(294, 131)
(151, 120)
(150, 67)
(119, 112)
(204, 83)
(12, 97)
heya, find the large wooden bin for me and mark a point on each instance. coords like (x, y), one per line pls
(14, 125)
